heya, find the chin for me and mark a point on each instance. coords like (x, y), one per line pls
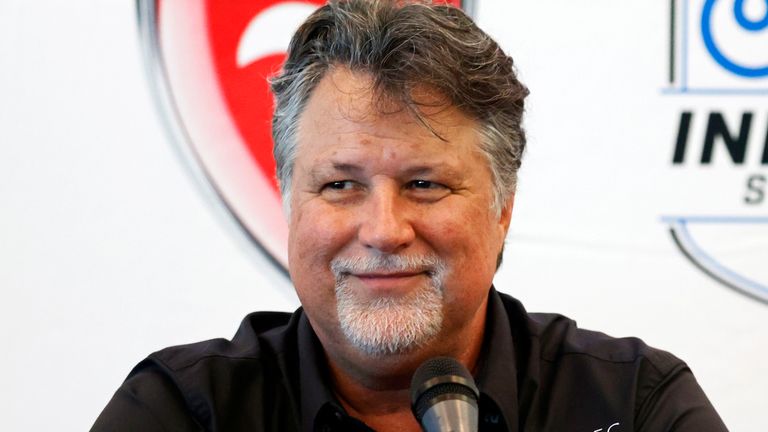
(391, 325)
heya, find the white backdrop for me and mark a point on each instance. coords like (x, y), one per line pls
(108, 251)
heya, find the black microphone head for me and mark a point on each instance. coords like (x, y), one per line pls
(438, 379)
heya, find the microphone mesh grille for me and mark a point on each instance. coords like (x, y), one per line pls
(426, 399)
(436, 367)
(423, 398)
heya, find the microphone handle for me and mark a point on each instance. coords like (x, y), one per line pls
(451, 415)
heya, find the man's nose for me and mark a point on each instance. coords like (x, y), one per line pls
(385, 222)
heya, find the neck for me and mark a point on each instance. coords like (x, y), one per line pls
(380, 408)
(376, 390)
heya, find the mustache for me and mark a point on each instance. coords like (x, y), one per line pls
(431, 264)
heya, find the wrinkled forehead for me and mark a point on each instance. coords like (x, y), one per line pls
(356, 97)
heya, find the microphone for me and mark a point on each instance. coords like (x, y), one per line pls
(444, 396)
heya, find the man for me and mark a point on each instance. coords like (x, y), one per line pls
(397, 139)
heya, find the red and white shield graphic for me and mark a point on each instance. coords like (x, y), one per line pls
(209, 62)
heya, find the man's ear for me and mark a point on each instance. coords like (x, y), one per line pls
(505, 216)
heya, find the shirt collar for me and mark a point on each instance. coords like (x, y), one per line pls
(496, 377)
(315, 388)
(497, 371)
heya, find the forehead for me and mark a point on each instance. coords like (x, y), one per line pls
(345, 103)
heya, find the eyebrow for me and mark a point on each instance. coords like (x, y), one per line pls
(442, 168)
(355, 169)
(317, 173)
(346, 167)
(341, 167)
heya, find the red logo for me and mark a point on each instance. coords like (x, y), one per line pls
(209, 62)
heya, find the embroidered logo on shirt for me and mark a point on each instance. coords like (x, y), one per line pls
(608, 429)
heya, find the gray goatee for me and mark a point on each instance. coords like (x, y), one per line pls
(390, 325)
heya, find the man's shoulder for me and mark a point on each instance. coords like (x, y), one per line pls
(261, 337)
(557, 337)
(567, 357)
(591, 378)
(219, 384)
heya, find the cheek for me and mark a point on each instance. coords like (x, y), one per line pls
(469, 243)
(314, 240)
(316, 236)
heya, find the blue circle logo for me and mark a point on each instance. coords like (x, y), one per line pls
(749, 25)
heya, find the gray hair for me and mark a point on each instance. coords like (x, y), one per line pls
(404, 46)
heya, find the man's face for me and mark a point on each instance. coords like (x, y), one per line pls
(393, 242)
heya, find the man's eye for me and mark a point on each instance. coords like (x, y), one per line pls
(424, 184)
(339, 185)
(426, 190)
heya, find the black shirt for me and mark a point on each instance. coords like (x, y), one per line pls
(537, 372)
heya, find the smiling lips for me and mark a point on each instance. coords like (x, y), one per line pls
(387, 281)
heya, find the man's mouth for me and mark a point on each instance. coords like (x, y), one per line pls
(385, 275)
(389, 281)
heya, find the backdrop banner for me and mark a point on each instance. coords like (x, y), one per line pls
(139, 207)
